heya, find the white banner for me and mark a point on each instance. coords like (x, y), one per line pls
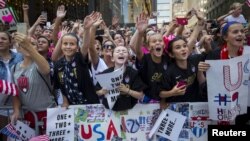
(60, 124)
(227, 83)
(184, 122)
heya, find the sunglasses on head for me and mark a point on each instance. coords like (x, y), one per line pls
(108, 46)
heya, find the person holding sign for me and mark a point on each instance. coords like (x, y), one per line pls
(71, 73)
(233, 35)
(131, 87)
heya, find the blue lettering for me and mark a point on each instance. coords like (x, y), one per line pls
(99, 132)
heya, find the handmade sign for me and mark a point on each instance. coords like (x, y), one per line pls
(60, 124)
(94, 122)
(228, 97)
(111, 81)
(7, 17)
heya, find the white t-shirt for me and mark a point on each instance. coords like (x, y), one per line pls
(239, 19)
(101, 66)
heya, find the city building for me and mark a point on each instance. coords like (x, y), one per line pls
(164, 9)
(217, 8)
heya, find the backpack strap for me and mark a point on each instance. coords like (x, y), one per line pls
(50, 90)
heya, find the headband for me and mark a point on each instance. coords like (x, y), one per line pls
(226, 27)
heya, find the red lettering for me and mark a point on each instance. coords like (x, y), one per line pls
(84, 134)
(111, 129)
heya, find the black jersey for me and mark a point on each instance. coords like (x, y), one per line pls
(152, 73)
(176, 74)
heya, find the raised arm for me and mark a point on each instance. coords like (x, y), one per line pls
(87, 23)
(171, 28)
(106, 35)
(57, 53)
(180, 28)
(197, 29)
(137, 39)
(75, 27)
(41, 62)
(92, 51)
(60, 14)
(26, 15)
(39, 20)
(221, 18)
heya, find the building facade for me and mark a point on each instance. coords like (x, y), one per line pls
(217, 8)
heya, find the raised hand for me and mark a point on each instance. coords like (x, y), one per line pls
(199, 15)
(115, 21)
(25, 7)
(90, 19)
(65, 30)
(142, 23)
(190, 13)
(22, 40)
(61, 12)
(40, 20)
(76, 24)
(99, 20)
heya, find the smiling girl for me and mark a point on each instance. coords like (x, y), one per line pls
(72, 75)
(131, 87)
(182, 80)
(233, 34)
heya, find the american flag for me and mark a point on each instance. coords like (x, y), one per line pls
(10, 131)
(40, 138)
(2, 4)
(8, 88)
(248, 3)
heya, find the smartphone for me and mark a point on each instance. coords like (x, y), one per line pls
(152, 22)
(182, 21)
(99, 32)
(48, 24)
(44, 14)
(22, 28)
(181, 83)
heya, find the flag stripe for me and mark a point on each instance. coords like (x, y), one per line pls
(8, 89)
(4, 86)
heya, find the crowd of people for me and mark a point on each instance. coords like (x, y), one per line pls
(56, 65)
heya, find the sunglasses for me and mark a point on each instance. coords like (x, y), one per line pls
(108, 46)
